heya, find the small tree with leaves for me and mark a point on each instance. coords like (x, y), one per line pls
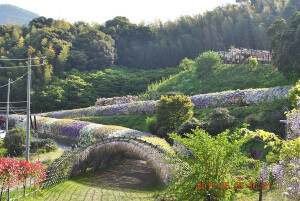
(172, 111)
(207, 62)
(253, 63)
(186, 63)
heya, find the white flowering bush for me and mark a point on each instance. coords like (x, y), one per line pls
(14, 119)
(46, 126)
(40, 121)
(87, 132)
(21, 123)
(210, 100)
(115, 100)
(124, 133)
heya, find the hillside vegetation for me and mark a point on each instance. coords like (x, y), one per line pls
(228, 77)
(76, 89)
(86, 47)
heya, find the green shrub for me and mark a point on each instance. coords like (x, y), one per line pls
(254, 120)
(3, 151)
(207, 62)
(172, 111)
(45, 144)
(60, 139)
(273, 121)
(173, 93)
(14, 142)
(253, 63)
(186, 64)
(214, 160)
(191, 124)
(151, 124)
(294, 94)
(220, 121)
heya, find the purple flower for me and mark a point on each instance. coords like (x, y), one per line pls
(72, 129)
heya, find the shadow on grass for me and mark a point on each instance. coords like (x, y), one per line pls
(130, 173)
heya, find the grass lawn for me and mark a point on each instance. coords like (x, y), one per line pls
(45, 158)
(74, 190)
(129, 179)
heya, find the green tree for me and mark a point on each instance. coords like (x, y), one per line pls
(207, 62)
(294, 94)
(253, 63)
(49, 98)
(77, 59)
(276, 27)
(63, 57)
(285, 46)
(172, 111)
(77, 92)
(186, 63)
(98, 47)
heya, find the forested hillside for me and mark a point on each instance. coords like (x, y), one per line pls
(85, 47)
(14, 14)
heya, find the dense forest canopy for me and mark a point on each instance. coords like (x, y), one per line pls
(82, 46)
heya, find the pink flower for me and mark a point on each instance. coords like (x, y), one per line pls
(240, 177)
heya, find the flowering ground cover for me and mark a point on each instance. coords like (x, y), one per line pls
(86, 131)
(210, 100)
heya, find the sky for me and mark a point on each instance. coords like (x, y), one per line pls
(100, 11)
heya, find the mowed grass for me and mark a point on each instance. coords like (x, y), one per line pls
(45, 158)
(128, 179)
(75, 190)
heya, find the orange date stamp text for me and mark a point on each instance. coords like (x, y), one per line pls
(237, 185)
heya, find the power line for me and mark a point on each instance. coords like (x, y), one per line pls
(14, 80)
(23, 59)
(28, 59)
(16, 102)
(13, 59)
(22, 66)
(29, 66)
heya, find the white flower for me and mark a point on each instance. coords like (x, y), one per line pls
(21, 124)
(47, 124)
(86, 133)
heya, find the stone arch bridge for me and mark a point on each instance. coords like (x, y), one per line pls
(99, 152)
(102, 143)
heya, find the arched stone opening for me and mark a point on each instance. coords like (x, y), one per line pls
(104, 154)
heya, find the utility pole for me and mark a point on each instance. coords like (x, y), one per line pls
(28, 110)
(7, 107)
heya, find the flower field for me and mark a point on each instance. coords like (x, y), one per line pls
(86, 131)
(211, 100)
